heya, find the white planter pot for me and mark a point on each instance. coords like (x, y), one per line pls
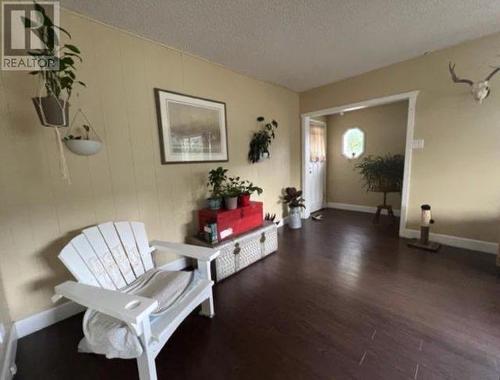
(294, 219)
(231, 202)
(264, 156)
(84, 147)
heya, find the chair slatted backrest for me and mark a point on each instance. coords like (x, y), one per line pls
(110, 255)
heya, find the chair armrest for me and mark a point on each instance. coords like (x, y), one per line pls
(125, 307)
(192, 251)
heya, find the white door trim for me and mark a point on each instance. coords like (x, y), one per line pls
(8, 350)
(305, 154)
(318, 122)
(322, 204)
(410, 126)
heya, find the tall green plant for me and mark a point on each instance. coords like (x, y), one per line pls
(60, 81)
(382, 173)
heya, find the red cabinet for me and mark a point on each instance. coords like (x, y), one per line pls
(231, 223)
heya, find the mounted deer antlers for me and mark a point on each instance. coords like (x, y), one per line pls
(480, 90)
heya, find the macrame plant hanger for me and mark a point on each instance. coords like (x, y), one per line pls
(62, 159)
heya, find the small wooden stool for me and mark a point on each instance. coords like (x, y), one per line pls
(387, 207)
(389, 212)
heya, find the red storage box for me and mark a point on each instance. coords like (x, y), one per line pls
(232, 223)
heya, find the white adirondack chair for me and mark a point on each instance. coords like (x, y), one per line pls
(107, 257)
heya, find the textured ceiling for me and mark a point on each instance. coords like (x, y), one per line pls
(300, 44)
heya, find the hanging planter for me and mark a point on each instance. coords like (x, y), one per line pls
(84, 147)
(88, 142)
(264, 156)
(56, 81)
(52, 111)
(261, 140)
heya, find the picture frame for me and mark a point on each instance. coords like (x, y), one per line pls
(191, 129)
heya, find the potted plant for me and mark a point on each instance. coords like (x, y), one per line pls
(382, 174)
(216, 179)
(293, 198)
(83, 145)
(271, 218)
(261, 140)
(247, 189)
(53, 108)
(231, 192)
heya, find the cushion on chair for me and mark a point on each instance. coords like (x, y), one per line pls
(162, 286)
(113, 338)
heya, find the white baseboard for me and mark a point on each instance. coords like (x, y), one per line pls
(453, 241)
(46, 318)
(360, 208)
(456, 241)
(8, 354)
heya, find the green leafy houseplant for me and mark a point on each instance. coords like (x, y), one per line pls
(271, 218)
(233, 187)
(83, 145)
(382, 173)
(293, 198)
(261, 140)
(247, 189)
(85, 140)
(232, 190)
(86, 135)
(58, 83)
(216, 179)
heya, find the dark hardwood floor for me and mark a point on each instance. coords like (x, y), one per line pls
(342, 298)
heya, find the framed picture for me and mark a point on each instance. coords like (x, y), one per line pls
(191, 129)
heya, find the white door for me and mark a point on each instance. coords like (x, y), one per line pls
(317, 165)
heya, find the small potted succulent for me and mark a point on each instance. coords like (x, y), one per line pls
(293, 198)
(247, 189)
(216, 179)
(261, 140)
(83, 145)
(231, 192)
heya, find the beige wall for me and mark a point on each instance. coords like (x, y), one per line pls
(39, 212)
(385, 132)
(4, 308)
(457, 172)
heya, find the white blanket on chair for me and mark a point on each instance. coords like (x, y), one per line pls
(112, 337)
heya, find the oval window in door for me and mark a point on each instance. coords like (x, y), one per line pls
(353, 143)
